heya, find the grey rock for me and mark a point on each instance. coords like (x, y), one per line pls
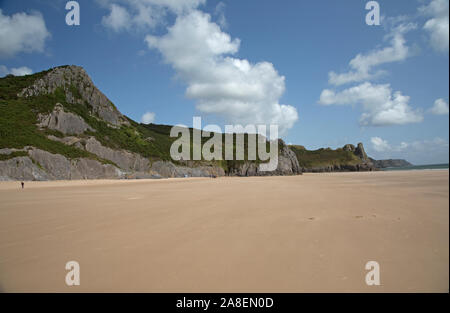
(70, 140)
(22, 168)
(65, 122)
(6, 151)
(287, 165)
(43, 165)
(124, 159)
(128, 161)
(56, 165)
(390, 163)
(91, 169)
(75, 76)
(349, 147)
(361, 153)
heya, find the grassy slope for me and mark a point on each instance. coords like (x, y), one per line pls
(324, 157)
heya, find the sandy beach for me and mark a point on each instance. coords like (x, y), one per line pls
(309, 233)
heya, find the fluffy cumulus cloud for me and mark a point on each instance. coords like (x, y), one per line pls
(148, 117)
(362, 65)
(380, 145)
(380, 105)
(118, 18)
(22, 32)
(19, 71)
(240, 91)
(440, 107)
(142, 14)
(437, 26)
(418, 151)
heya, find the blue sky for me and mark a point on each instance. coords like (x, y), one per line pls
(256, 61)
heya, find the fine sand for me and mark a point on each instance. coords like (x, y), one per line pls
(309, 233)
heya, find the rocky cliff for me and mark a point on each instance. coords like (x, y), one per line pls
(348, 158)
(79, 89)
(57, 125)
(391, 163)
(287, 165)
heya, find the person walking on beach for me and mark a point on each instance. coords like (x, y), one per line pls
(23, 184)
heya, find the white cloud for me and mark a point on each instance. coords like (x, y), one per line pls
(437, 26)
(440, 107)
(142, 14)
(233, 88)
(118, 18)
(20, 71)
(417, 152)
(363, 64)
(22, 32)
(381, 107)
(383, 146)
(148, 117)
(379, 144)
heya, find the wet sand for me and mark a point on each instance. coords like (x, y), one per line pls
(309, 233)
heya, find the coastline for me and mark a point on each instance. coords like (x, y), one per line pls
(14, 184)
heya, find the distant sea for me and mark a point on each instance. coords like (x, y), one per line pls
(443, 166)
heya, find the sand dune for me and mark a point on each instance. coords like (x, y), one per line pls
(259, 234)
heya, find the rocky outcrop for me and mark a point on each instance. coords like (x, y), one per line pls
(287, 161)
(43, 165)
(64, 122)
(338, 160)
(358, 151)
(363, 167)
(60, 167)
(287, 165)
(124, 159)
(349, 147)
(390, 163)
(361, 153)
(22, 168)
(128, 161)
(74, 79)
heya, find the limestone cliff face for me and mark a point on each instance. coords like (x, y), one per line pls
(65, 122)
(361, 153)
(43, 165)
(75, 78)
(21, 168)
(287, 165)
(124, 159)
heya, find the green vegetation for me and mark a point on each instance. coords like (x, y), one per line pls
(324, 157)
(18, 118)
(15, 154)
